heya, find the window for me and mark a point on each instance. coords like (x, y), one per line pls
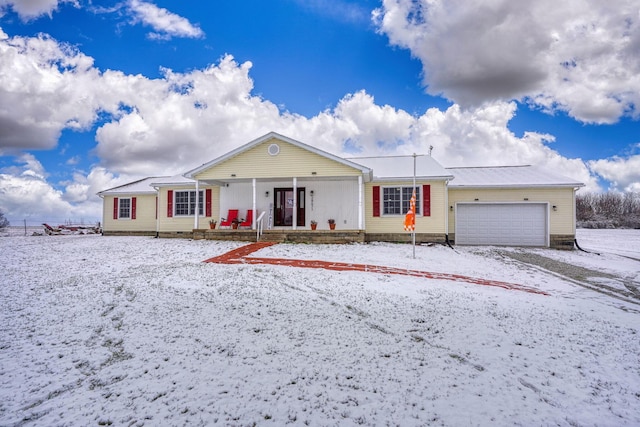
(396, 200)
(124, 209)
(185, 203)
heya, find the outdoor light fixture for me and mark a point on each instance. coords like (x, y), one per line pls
(233, 175)
(314, 173)
(266, 194)
(451, 208)
(526, 199)
(311, 193)
(476, 199)
(555, 208)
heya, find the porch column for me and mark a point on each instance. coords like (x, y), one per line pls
(360, 204)
(196, 217)
(295, 203)
(253, 220)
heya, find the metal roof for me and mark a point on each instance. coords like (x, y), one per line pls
(509, 176)
(141, 186)
(400, 168)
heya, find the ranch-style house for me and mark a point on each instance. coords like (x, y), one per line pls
(279, 189)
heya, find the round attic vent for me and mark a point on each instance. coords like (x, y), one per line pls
(273, 149)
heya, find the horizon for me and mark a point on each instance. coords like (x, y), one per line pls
(93, 97)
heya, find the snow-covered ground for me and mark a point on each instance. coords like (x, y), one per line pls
(139, 331)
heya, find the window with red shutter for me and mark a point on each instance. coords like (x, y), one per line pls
(426, 200)
(376, 200)
(208, 202)
(170, 203)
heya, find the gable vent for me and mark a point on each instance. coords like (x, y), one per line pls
(274, 149)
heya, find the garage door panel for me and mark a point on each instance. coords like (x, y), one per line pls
(512, 224)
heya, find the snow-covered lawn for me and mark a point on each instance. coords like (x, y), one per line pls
(139, 331)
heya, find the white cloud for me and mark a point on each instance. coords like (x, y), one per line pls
(578, 56)
(25, 194)
(623, 173)
(174, 123)
(31, 9)
(165, 24)
(43, 87)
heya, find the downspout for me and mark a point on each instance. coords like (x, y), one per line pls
(446, 213)
(157, 211)
(575, 239)
(360, 204)
(196, 210)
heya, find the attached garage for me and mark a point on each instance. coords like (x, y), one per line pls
(505, 224)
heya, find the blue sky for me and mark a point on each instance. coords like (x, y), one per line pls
(95, 95)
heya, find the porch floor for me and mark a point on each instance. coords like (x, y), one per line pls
(281, 236)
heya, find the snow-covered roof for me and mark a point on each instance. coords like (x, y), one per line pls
(147, 185)
(142, 186)
(509, 176)
(387, 168)
(176, 180)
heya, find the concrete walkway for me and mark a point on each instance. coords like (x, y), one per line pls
(240, 256)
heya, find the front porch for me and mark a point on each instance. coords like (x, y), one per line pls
(281, 236)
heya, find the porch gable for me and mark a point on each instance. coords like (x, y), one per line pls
(274, 156)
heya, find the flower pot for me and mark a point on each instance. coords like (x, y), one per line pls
(314, 226)
(234, 225)
(332, 226)
(212, 226)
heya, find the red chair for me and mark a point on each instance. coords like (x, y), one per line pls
(231, 216)
(248, 221)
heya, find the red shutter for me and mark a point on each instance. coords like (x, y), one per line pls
(426, 200)
(156, 207)
(376, 200)
(208, 202)
(169, 203)
(133, 208)
(115, 208)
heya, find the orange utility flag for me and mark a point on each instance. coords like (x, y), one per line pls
(410, 217)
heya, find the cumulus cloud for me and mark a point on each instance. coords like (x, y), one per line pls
(43, 87)
(26, 194)
(30, 9)
(164, 23)
(623, 173)
(163, 126)
(578, 56)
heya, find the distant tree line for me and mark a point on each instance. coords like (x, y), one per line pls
(4, 222)
(608, 210)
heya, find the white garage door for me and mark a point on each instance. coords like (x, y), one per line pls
(508, 224)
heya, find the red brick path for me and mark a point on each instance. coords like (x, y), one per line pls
(240, 256)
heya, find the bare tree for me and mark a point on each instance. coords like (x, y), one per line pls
(608, 210)
(4, 222)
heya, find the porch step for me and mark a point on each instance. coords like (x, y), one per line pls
(281, 236)
(309, 236)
